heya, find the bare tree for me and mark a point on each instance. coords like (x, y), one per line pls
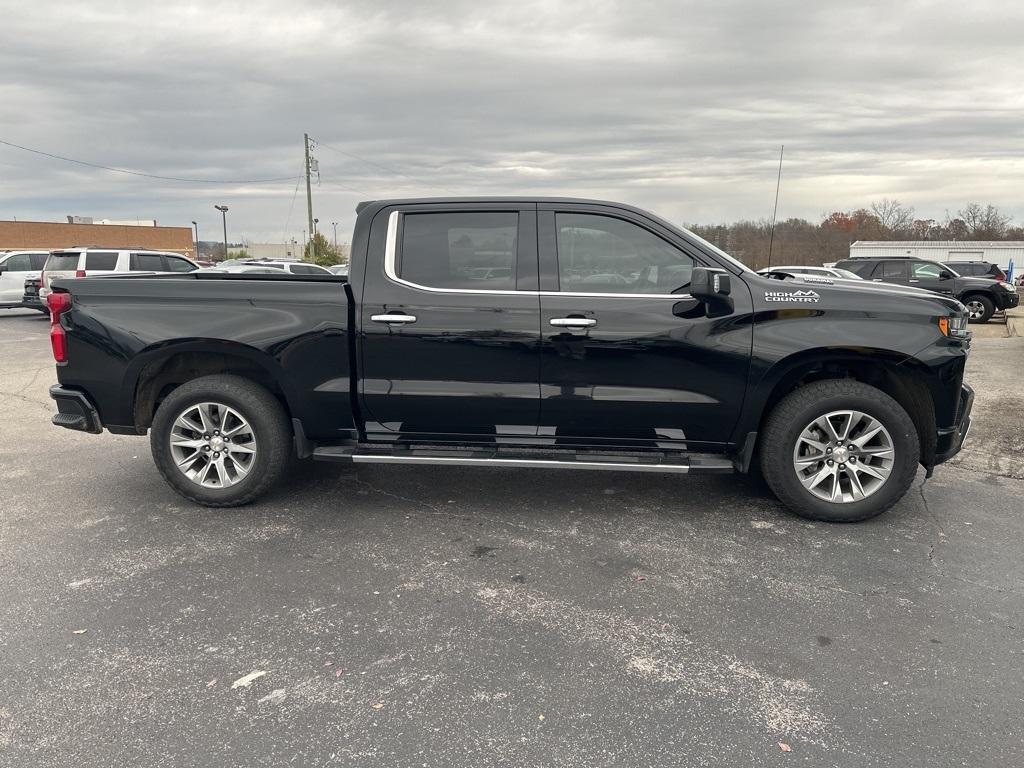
(893, 215)
(983, 223)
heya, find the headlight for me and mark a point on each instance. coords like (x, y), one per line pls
(955, 325)
(1007, 286)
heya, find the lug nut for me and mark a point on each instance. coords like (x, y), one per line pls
(206, 437)
(216, 431)
(830, 462)
(828, 450)
(853, 459)
(216, 455)
(206, 448)
(841, 466)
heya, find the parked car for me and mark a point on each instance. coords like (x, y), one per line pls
(240, 269)
(981, 296)
(92, 262)
(690, 363)
(30, 296)
(15, 268)
(841, 274)
(291, 267)
(977, 269)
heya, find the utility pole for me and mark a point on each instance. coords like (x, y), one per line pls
(335, 225)
(309, 197)
(224, 215)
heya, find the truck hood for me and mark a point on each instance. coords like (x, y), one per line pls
(827, 285)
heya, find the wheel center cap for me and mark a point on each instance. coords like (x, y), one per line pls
(217, 443)
(842, 455)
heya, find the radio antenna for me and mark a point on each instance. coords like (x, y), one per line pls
(775, 210)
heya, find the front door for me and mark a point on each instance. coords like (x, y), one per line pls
(449, 325)
(929, 275)
(628, 357)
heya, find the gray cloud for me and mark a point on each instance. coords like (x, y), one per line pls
(679, 107)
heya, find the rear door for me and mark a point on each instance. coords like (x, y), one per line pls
(449, 325)
(628, 357)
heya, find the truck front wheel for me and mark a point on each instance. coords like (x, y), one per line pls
(839, 451)
(220, 441)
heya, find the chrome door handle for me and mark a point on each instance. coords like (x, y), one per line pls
(572, 322)
(394, 319)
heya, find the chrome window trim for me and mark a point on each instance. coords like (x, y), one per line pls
(390, 255)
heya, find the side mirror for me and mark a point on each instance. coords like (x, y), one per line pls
(945, 275)
(712, 289)
(709, 285)
(3, 268)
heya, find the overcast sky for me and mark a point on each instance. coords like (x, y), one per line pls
(675, 106)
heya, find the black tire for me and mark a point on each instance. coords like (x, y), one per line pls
(269, 426)
(800, 408)
(986, 305)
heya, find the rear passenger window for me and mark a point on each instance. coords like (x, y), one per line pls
(147, 262)
(891, 270)
(303, 269)
(39, 260)
(459, 250)
(101, 260)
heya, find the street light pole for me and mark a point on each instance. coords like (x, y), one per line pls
(224, 214)
(335, 225)
(196, 226)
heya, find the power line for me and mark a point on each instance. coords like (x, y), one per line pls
(385, 168)
(145, 175)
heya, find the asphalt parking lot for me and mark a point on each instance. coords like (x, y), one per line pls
(396, 616)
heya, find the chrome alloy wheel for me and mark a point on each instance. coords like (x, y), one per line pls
(975, 309)
(213, 445)
(843, 456)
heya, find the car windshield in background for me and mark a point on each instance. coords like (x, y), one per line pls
(848, 274)
(65, 261)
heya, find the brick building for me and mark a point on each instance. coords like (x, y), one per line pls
(45, 235)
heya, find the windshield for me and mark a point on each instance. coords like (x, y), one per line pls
(719, 252)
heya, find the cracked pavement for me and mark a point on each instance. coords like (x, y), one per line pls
(420, 616)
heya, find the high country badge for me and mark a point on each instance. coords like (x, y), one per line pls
(800, 297)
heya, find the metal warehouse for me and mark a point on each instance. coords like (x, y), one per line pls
(1000, 252)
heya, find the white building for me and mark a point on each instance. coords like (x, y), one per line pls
(999, 252)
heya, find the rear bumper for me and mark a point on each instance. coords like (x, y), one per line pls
(951, 439)
(75, 410)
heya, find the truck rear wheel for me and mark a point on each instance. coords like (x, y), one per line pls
(220, 441)
(979, 308)
(839, 451)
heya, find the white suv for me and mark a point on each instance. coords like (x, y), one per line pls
(15, 268)
(291, 267)
(87, 262)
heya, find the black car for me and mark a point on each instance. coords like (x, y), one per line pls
(521, 332)
(981, 296)
(977, 269)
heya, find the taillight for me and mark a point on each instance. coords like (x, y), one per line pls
(58, 304)
(42, 279)
(79, 273)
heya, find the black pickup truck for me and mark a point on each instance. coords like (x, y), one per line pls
(522, 333)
